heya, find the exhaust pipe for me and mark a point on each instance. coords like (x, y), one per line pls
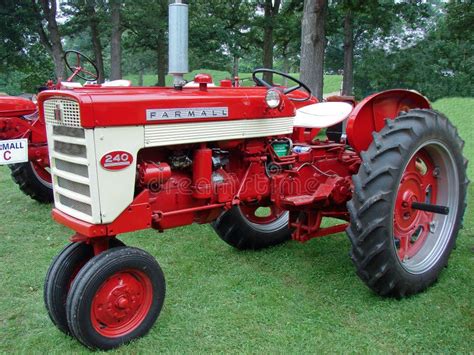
(178, 41)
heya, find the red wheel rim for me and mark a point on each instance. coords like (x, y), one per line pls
(418, 184)
(261, 214)
(121, 303)
(41, 173)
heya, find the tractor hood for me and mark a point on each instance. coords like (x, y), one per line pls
(103, 106)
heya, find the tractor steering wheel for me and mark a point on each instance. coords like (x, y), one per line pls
(82, 65)
(300, 84)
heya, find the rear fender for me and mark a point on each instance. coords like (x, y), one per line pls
(370, 114)
(11, 106)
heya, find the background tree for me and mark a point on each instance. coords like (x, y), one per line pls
(146, 27)
(93, 21)
(439, 64)
(116, 40)
(270, 13)
(85, 17)
(312, 45)
(24, 61)
(221, 34)
(46, 12)
(387, 44)
(287, 36)
(356, 24)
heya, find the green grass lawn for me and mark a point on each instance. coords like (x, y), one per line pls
(332, 83)
(293, 298)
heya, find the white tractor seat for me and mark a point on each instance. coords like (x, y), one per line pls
(113, 83)
(71, 84)
(322, 115)
(117, 83)
(193, 84)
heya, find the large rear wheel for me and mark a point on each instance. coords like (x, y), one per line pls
(253, 227)
(34, 180)
(408, 203)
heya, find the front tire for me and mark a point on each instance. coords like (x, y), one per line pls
(116, 297)
(399, 250)
(61, 274)
(243, 228)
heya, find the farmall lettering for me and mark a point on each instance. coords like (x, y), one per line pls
(186, 113)
(13, 151)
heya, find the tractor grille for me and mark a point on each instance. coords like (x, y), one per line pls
(70, 172)
(62, 112)
(70, 159)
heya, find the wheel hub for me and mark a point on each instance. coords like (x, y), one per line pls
(121, 303)
(418, 184)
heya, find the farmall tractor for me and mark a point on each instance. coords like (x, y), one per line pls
(127, 159)
(23, 144)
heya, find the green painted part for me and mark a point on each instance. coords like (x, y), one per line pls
(281, 149)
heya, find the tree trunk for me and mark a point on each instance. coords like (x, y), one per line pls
(235, 67)
(348, 78)
(286, 63)
(161, 61)
(140, 77)
(54, 40)
(115, 41)
(270, 11)
(312, 46)
(95, 36)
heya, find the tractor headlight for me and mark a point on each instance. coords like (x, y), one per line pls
(273, 98)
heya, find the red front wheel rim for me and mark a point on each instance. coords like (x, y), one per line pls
(121, 303)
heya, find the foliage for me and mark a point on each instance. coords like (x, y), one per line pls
(24, 62)
(441, 64)
(144, 34)
(416, 45)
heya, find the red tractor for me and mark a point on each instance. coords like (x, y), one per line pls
(249, 161)
(23, 147)
(23, 144)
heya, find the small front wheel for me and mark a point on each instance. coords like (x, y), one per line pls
(116, 297)
(61, 274)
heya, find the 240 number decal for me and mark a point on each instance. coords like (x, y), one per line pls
(116, 160)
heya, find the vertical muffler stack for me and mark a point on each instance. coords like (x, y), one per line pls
(178, 41)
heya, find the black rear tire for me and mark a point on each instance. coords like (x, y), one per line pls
(60, 276)
(30, 183)
(380, 190)
(236, 230)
